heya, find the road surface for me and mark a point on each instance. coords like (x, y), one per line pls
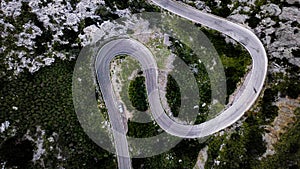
(138, 51)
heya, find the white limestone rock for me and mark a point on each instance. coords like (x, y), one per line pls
(4, 126)
(271, 9)
(293, 1)
(238, 18)
(12, 8)
(290, 13)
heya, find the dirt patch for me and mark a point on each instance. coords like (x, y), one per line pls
(279, 126)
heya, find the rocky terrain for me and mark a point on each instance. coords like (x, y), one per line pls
(280, 124)
(35, 34)
(49, 31)
(277, 25)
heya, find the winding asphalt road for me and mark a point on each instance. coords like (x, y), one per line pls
(138, 51)
(110, 50)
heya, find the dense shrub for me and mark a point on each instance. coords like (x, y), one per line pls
(45, 99)
(137, 93)
(173, 95)
(16, 151)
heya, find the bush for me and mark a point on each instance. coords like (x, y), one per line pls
(173, 95)
(16, 152)
(137, 93)
(45, 99)
(287, 149)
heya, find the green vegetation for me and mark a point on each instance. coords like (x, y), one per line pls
(245, 146)
(248, 137)
(128, 65)
(104, 13)
(286, 84)
(173, 95)
(222, 11)
(268, 110)
(137, 93)
(253, 20)
(142, 130)
(183, 155)
(45, 99)
(241, 150)
(16, 152)
(70, 49)
(160, 52)
(214, 145)
(234, 58)
(287, 150)
(186, 54)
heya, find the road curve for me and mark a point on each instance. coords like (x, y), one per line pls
(255, 80)
(104, 57)
(143, 55)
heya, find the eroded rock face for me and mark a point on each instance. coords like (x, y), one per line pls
(238, 18)
(278, 28)
(202, 6)
(292, 1)
(281, 122)
(285, 39)
(282, 36)
(290, 13)
(271, 9)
